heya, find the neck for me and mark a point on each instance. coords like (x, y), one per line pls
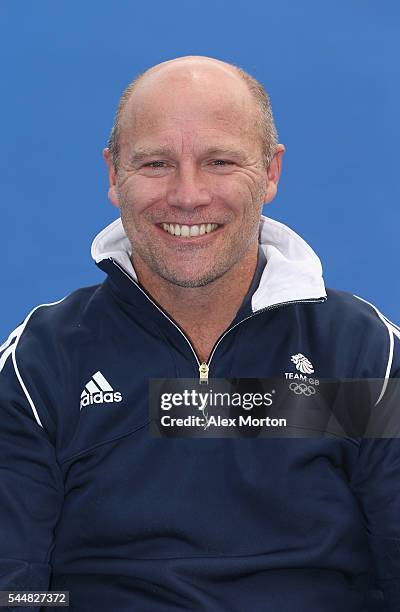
(203, 313)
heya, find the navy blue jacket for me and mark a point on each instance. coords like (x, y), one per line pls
(91, 503)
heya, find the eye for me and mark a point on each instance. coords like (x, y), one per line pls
(221, 162)
(154, 164)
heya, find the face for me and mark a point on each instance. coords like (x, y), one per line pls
(191, 181)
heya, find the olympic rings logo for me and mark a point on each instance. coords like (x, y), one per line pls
(302, 389)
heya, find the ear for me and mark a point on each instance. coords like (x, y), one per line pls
(112, 190)
(273, 173)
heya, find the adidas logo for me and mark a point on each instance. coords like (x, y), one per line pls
(99, 391)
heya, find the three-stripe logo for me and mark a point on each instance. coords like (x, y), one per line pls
(98, 391)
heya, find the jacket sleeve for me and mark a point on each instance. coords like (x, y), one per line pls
(376, 483)
(31, 486)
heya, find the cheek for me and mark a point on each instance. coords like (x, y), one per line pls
(136, 196)
(243, 189)
(243, 199)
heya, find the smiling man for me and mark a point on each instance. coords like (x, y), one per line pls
(192, 160)
(201, 286)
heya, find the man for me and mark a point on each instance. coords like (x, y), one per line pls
(198, 285)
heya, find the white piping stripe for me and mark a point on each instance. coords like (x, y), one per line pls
(391, 347)
(20, 329)
(102, 382)
(395, 329)
(5, 356)
(25, 390)
(11, 337)
(389, 365)
(91, 387)
(396, 332)
(392, 324)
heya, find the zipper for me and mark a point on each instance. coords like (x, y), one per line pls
(204, 367)
(203, 371)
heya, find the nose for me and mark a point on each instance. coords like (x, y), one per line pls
(188, 189)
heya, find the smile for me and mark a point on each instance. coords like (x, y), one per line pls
(187, 231)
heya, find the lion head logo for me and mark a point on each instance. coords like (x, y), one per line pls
(302, 364)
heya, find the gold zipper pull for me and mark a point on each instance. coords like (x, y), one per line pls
(203, 369)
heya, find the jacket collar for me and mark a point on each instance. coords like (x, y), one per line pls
(293, 271)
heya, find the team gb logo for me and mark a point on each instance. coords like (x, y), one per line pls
(302, 364)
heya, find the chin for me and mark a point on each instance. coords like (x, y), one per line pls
(191, 280)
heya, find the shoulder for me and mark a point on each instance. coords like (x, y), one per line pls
(34, 352)
(56, 322)
(52, 315)
(350, 308)
(363, 327)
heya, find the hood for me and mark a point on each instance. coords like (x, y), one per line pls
(292, 272)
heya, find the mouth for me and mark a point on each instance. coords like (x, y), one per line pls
(189, 231)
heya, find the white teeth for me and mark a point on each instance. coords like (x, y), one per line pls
(187, 231)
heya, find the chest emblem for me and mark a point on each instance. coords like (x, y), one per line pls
(302, 364)
(99, 391)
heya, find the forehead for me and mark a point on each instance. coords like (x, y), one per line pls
(192, 104)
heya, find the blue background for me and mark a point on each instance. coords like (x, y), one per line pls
(331, 68)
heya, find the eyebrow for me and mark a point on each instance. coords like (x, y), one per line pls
(226, 152)
(142, 153)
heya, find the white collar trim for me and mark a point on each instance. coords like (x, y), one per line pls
(293, 271)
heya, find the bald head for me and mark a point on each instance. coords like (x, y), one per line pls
(194, 64)
(203, 78)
